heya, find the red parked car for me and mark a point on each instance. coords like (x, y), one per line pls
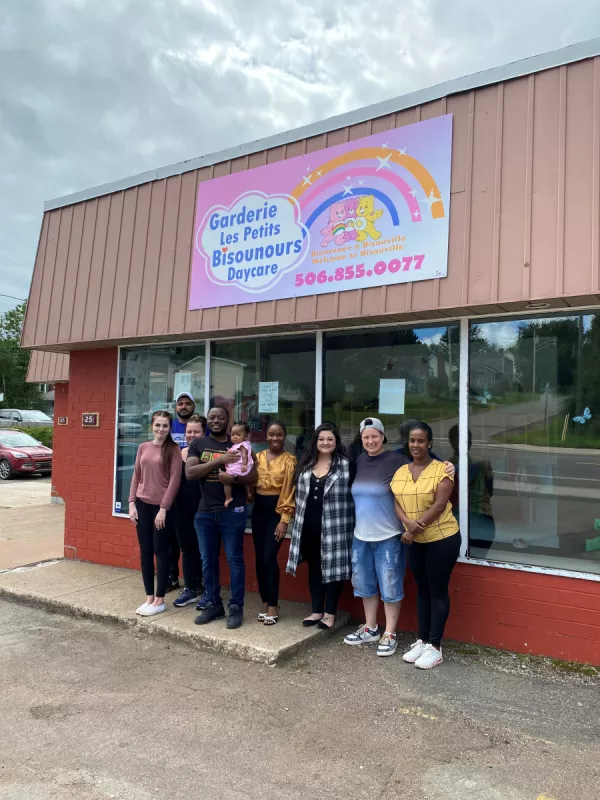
(21, 454)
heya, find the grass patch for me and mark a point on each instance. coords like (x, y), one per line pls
(574, 666)
(550, 435)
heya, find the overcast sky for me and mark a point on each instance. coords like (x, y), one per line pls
(95, 90)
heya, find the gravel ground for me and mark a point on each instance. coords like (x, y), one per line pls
(90, 712)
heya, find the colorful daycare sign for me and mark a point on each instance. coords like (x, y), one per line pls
(372, 212)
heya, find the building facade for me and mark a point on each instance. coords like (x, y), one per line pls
(498, 349)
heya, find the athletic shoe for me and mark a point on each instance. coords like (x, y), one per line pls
(172, 585)
(203, 603)
(142, 607)
(152, 610)
(388, 644)
(363, 635)
(210, 613)
(236, 616)
(430, 658)
(417, 649)
(185, 598)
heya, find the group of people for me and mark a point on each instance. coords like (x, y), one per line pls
(360, 520)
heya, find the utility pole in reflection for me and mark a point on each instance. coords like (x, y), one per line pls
(534, 357)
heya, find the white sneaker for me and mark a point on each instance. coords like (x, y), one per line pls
(430, 658)
(363, 635)
(152, 610)
(142, 607)
(415, 651)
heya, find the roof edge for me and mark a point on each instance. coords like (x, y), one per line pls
(477, 80)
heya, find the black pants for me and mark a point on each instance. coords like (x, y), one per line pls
(174, 554)
(153, 543)
(432, 566)
(324, 596)
(264, 522)
(190, 552)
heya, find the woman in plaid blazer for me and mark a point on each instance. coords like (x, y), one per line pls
(324, 523)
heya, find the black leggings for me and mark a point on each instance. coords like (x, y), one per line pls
(174, 555)
(266, 547)
(153, 543)
(324, 596)
(432, 566)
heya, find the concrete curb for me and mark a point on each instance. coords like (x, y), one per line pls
(201, 640)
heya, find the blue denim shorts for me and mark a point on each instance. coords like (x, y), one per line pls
(378, 568)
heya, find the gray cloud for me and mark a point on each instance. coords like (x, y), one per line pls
(94, 91)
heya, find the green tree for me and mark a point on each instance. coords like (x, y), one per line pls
(556, 343)
(14, 362)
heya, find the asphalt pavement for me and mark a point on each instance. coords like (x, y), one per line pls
(89, 712)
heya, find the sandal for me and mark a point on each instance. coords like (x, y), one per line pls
(262, 616)
(271, 620)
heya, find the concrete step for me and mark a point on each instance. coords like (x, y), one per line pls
(111, 595)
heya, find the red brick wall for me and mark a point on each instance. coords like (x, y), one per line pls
(87, 468)
(513, 609)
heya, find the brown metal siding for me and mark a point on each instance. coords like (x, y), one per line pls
(524, 225)
(47, 367)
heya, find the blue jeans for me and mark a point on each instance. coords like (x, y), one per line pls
(228, 525)
(378, 568)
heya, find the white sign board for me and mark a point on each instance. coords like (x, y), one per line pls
(391, 395)
(268, 397)
(183, 382)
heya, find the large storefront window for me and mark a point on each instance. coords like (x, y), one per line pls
(534, 461)
(150, 379)
(396, 374)
(261, 380)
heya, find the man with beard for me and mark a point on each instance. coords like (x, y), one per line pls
(207, 458)
(185, 406)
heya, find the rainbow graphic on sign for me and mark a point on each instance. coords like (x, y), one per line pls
(372, 212)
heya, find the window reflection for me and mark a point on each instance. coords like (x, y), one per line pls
(238, 368)
(535, 420)
(363, 373)
(150, 378)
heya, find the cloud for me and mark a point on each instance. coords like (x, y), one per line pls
(102, 90)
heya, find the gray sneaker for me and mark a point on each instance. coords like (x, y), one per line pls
(363, 635)
(388, 645)
(236, 616)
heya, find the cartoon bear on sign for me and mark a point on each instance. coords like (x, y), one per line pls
(335, 230)
(366, 214)
(351, 206)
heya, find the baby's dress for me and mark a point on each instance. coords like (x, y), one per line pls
(238, 468)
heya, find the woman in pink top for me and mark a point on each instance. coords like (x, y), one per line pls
(154, 487)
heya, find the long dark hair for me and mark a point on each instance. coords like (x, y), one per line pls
(168, 447)
(311, 456)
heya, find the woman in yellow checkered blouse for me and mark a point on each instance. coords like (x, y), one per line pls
(422, 492)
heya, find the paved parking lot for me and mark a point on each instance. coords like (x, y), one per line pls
(32, 528)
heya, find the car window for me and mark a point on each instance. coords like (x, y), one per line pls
(15, 415)
(35, 416)
(17, 439)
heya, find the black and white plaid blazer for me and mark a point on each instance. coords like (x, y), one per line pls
(337, 523)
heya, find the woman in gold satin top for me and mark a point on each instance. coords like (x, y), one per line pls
(273, 508)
